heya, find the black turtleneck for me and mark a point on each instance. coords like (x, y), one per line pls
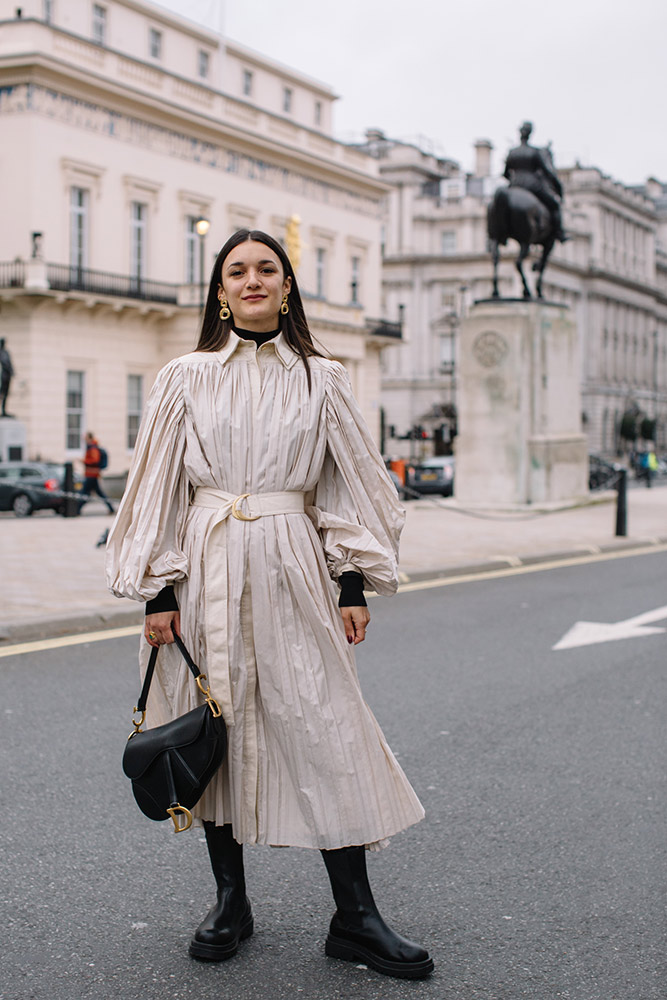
(259, 338)
(351, 583)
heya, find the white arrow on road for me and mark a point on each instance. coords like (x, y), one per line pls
(588, 633)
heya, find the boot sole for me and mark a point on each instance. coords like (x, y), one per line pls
(220, 952)
(349, 952)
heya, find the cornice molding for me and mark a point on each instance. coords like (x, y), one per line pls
(99, 86)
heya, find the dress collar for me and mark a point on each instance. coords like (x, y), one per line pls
(280, 345)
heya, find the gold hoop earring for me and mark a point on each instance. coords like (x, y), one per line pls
(284, 307)
(224, 308)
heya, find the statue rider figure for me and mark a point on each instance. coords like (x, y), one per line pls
(532, 168)
(6, 373)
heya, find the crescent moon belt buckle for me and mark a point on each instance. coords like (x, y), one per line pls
(238, 514)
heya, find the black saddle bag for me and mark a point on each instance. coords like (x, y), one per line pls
(171, 765)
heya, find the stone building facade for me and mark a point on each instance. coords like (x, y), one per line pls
(612, 273)
(121, 127)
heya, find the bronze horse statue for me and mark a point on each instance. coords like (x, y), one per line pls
(518, 214)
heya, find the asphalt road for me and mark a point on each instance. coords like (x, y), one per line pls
(538, 873)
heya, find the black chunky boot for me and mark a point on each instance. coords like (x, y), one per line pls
(357, 932)
(230, 920)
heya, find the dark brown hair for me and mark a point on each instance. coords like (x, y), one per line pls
(294, 326)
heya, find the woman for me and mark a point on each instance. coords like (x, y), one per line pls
(255, 483)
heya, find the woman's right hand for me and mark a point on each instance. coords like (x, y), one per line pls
(162, 626)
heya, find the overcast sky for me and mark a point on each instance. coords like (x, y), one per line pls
(590, 74)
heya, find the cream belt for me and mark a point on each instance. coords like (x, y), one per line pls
(249, 506)
(246, 507)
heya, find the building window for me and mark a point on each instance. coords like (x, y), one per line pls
(320, 272)
(247, 83)
(448, 241)
(191, 250)
(74, 410)
(287, 100)
(155, 43)
(447, 350)
(47, 7)
(99, 24)
(138, 217)
(78, 244)
(431, 188)
(354, 281)
(604, 441)
(318, 113)
(203, 62)
(135, 402)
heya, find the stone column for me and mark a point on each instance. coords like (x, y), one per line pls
(519, 406)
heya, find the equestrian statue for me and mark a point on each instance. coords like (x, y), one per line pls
(528, 210)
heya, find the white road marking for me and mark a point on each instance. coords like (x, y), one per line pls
(69, 640)
(590, 633)
(494, 574)
(40, 645)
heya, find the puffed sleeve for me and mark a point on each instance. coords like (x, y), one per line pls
(144, 548)
(356, 509)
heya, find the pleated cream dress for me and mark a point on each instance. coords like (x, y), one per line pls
(307, 763)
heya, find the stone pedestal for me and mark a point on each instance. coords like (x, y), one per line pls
(519, 406)
(35, 275)
(13, 440)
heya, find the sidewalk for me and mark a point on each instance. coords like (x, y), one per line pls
(52, 579)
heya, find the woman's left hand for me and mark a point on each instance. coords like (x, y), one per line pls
(356, 622)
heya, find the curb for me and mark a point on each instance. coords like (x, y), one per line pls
(90, 621)
(502, 562)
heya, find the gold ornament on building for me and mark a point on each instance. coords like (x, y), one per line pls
(293, 241)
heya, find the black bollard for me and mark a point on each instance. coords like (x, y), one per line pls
(622, 503)
(71, 503)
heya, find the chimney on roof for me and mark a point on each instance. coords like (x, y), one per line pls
(483, 150)
(653, 188)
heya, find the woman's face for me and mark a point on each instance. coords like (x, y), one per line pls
(253, 282)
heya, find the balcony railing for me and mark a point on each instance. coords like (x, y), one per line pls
(64, 278)
(12, 274)
(385, 328)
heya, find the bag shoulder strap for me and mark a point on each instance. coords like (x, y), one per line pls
(150, 670)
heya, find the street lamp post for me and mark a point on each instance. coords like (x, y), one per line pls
(202, 226)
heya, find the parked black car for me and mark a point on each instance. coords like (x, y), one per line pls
(601, 473)
(433, 475)
(29, 486)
